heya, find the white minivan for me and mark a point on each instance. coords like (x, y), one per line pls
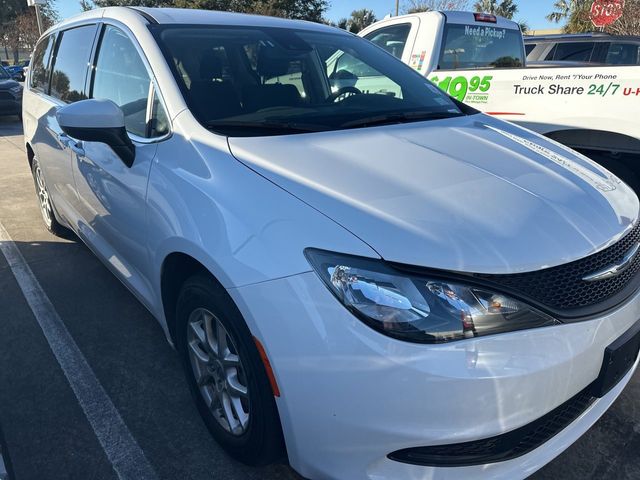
(377, 284)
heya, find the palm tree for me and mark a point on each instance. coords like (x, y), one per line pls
(506, 8)
(563, 9)
(360, 19)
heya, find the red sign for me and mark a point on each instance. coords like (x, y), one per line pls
(605, 12)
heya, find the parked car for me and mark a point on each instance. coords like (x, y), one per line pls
(10, 95)
(380, 285)
(599, 48)
(18, 70)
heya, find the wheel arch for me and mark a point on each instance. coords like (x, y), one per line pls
(176, 268)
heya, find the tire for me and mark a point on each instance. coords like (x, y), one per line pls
(257, 438)
(44, 201)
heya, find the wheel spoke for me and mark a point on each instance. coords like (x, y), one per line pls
(198, 354)
(239, 413)
(231, 360)
(211, 344)
(221, 334)
(235, 387)
(226, 402)
(197, 330)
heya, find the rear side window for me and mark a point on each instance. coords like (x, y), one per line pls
(623, 54)
(393, 39)
(573, 51)
(40, 69)
(71, 62)
(528, 48)
(481, 46)
(121, 76)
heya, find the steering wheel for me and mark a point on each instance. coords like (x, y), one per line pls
(343, 92)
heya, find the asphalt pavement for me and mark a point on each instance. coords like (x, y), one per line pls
(46, 432)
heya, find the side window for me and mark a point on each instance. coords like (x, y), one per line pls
(528, 48)
(623, 54)
(71, 62)
(393, 39)
(121, 76)
(574, 51)
(40, 69)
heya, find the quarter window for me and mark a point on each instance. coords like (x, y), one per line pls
(122, 77)
(393, 39)
(623, 54)
(71, 62)
(40, 67)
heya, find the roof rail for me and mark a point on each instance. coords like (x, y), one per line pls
(148, 17)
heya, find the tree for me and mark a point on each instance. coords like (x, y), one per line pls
(629, 23)
(577, 16)
(417, 6)
(86, 5)
(359, 20)
(524, 26)
(18, 25)
(506, 8)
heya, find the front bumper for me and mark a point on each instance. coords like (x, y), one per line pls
(350, 396)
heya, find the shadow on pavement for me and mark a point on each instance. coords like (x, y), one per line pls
(47, 433)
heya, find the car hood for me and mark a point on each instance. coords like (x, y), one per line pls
(471, 194)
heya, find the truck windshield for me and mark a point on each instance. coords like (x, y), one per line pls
(245, 81)
(481, 46)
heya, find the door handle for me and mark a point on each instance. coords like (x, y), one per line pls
(76, 147)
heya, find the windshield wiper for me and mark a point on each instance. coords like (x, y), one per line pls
(266, 125)
(399, 117)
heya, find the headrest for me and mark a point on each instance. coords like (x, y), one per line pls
(210, 66)
(272, 62)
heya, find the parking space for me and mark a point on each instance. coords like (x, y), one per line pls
(46, 417)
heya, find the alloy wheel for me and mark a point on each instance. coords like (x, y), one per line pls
(43, 197)
(218, 371)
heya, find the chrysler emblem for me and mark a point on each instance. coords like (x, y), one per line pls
(616, 269)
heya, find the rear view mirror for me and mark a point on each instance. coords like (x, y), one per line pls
(98, 121)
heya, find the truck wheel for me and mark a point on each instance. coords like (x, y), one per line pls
(225, 374)
(44, 201)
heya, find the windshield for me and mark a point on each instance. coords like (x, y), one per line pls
(481, 46)
(264, 81)
(4, 74)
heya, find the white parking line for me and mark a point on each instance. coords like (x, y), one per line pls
(124, 453)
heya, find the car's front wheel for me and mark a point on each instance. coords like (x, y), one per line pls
(44, 201)
(225, 373)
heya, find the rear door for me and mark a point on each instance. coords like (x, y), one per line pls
(60, 82)
(111, 195)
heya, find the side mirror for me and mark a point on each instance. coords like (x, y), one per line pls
(98, 121)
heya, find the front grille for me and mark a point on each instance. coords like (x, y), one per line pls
(562, 288)
(6, 96)
(501, 447)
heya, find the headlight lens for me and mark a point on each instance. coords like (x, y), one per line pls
(16, 90)
(418, 309)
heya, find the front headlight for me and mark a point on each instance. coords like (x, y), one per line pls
(420, 309)
(16, 90)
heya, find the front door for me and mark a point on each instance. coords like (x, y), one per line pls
(111, 195)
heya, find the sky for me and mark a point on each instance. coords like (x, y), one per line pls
(533, 11)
